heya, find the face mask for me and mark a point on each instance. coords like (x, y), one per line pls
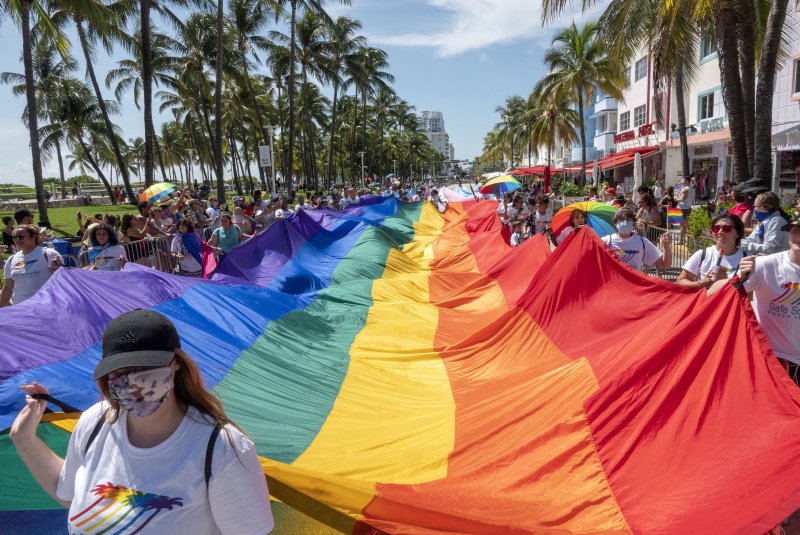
(142, 393)
(625, 226)
(761, 216)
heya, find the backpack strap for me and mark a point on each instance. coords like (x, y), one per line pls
(212, 440)
(95, 431)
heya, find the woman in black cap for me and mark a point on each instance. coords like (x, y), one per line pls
(157, 454)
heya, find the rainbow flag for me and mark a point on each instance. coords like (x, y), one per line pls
(405, 371)
(675, 216)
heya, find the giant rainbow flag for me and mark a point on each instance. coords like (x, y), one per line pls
(405, 371)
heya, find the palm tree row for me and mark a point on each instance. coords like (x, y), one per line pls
(230, 80)
(749, 37)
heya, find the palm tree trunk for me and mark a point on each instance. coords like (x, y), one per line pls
(249, 88)
(97, 169)
(33, 123)
(61, 171)
(147, 90)
(157, 147)
(123, 168)
(747, 51)
(331, 171)
(292, 59)
(762, 156)
(353, 140)
(728, 50)
(234, 168)
(247, 161)
(681, 105)
(582, 178)
(218, 102)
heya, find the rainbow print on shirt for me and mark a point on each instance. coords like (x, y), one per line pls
(626, 256)
(119, 510)
(791, 295)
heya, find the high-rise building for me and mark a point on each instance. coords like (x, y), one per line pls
(432, 125)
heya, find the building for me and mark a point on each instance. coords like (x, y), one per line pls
(786, 116)
(431, 124)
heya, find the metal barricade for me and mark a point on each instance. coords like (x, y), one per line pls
(683, 247)
(151, 252)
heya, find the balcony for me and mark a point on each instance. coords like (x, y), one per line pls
(604, 105)
(604, 141)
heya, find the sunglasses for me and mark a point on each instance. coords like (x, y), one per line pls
(725, 229)
(19, 236)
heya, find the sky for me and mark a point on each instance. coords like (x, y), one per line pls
(460, 57)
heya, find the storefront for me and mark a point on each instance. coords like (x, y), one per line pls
(710, 160)
(787, 171)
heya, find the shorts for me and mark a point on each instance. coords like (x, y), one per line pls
(686, 213)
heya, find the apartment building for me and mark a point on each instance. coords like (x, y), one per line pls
(432, 125)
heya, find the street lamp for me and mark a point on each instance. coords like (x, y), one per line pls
(362, 153)
(271, 132)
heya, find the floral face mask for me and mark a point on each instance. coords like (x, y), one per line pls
(142, 393)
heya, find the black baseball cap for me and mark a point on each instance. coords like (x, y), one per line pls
(137, 338)
(795, 222)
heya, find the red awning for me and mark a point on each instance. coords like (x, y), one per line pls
(577, 168)
(625, 158)
(535, 170)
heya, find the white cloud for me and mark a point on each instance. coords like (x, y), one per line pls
(478, 24)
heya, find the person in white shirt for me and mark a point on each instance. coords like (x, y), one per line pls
(634, 250)
(302, 204)
(576, 220)
(29, 268)
(439, 201)
(517, 232)
(718, 262)
(542, 215)
(775, 283)
(213, 212)
(283, 211)
(104, 252)
(767, 237)
(157, 436)
(684, 194)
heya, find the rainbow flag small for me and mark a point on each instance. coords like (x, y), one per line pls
(675, 216)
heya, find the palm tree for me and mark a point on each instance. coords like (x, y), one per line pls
(20, 11)
(578, 64)
(557, 123)
(342, 58)
(50, 70)
(512, 123)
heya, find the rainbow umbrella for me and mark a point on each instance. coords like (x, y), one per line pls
(599, 217)
(156, 192)
(500, 185)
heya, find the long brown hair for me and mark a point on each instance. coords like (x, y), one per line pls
(189, 390)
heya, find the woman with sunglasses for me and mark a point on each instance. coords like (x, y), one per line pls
(29, 268)
(719, 261)
(157, 454)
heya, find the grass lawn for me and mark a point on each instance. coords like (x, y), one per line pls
(65, 219)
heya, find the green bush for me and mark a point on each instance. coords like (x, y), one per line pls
(568, 189)
(699, 222)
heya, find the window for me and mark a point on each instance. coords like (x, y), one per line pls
(710, 105)
(707, 48)
(707, 106)
(624, 121)
(628, 74)
(639, 116)
(601, 124)
(796, 76)
(641, 68)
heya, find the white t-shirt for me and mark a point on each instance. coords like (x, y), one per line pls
(542, 220)
(634, 250)
(213, 215)
(564, 234)
(731, 262)
(304, 206)
(108, 258)
(517, 238)
(29, 272)
(279, 213)
(775, 284)
(686, 204)
(188, 263)
(163, 487)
